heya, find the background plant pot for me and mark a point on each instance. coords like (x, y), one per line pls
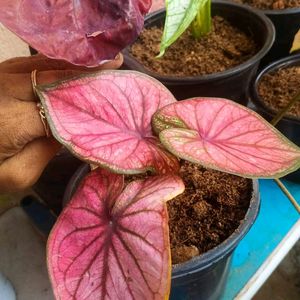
(289, 126)
(231, 83)
(287, 23)
(204, 277)
(52, 183)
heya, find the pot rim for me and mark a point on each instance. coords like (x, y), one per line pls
(270, 29)
(285, 62)
(208, 258)
(276, 12)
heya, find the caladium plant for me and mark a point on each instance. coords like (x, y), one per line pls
(111, 241)
(83, 32)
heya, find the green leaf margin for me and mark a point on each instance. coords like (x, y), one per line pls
(181, 23)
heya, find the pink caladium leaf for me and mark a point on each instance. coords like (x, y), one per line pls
(226, 136)
(83, 32)
(113, 243)
(105, 118)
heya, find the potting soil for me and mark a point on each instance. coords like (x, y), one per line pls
(207, 213)
(223, 48)
(271, 4)
(278, 88)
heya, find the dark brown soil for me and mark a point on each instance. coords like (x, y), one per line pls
(271, 4)
(277, 89)
(208, 212)
(223, 48)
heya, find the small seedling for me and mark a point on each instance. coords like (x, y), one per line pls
(180, 15)
(296, 43)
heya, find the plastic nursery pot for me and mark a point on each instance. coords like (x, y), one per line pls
(231, 83)
(52, 183)
(204, 277)
(287, 23)
(289, 126)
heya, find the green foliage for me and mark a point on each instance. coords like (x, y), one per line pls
(296, 43)
(202, 22)
(179, 15)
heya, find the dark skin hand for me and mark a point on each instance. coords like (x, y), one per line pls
(24, 148)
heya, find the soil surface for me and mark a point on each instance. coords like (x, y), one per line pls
(223, 48)
(207, 213)
(271, 4)
(278, 88)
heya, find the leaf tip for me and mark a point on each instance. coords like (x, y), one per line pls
(161, 53)
(296, 43)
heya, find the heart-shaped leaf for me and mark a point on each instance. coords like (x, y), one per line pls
(105, 119)
(179, 16)
(83, 32)
(226, 136)
(114, 244)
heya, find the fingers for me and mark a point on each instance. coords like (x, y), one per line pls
(42, 63)
(19, 85)
(23, 170)
(20, 123)
(26, 154)
(16, 86)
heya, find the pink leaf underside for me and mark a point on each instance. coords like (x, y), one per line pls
(113, 244)
(229, 137)
(157, 4)
(106, 119)
(83, 32)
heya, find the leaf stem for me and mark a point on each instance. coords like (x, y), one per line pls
(288, 194)
(282, 112)
(202, 22)
(274, 122)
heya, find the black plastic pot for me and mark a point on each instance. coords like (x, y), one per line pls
(204, 277)
(51, 185)
(231, 83)
(287, 23)
(289, 126)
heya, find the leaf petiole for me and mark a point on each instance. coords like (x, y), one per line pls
(288, 194)
(201, 25)
(283, 111)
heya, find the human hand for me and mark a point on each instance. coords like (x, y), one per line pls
(24, 148)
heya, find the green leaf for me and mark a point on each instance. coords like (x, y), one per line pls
(179, 16)
(296, 43)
